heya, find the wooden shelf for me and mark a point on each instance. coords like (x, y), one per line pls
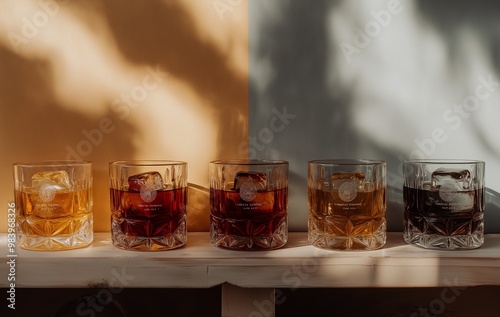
(297, 265)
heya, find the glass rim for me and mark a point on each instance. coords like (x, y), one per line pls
(139, 163)
(444, 161)
(346, 162)
(248, 162)
(52, 163)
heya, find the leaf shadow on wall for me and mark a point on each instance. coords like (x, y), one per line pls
(304, 56)
(164, 33)
(38, 125)
(35, 127)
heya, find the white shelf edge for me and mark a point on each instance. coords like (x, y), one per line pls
(298, 264)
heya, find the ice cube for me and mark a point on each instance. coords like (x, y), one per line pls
(259, 180)
(356, 178)
(55, 181)
(135, 182)
(452, 185)
(451, 178)
(463, 202)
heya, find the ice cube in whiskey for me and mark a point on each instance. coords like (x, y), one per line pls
(152, 180)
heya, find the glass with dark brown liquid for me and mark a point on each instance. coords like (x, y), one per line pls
(443, 224)
(444, 204)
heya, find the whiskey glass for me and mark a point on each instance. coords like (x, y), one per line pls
(53, 204)
(444, 203)
(148, 204)
(347, 204)
(249, 201)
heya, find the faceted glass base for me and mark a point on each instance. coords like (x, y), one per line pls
(158, 243)
(350, 239)
(412, 235)
(462, 238)
(55, 234)
(259, 242)
(445, 242)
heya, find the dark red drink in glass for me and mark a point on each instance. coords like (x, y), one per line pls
(250, 211)
(148, 205)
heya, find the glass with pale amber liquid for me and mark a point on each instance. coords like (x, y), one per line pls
(444, 203)
(148, 204)
(53, 205)
(249, 201)
(347, 204)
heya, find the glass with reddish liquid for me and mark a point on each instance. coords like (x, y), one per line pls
(148, 204)
(249, 200)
